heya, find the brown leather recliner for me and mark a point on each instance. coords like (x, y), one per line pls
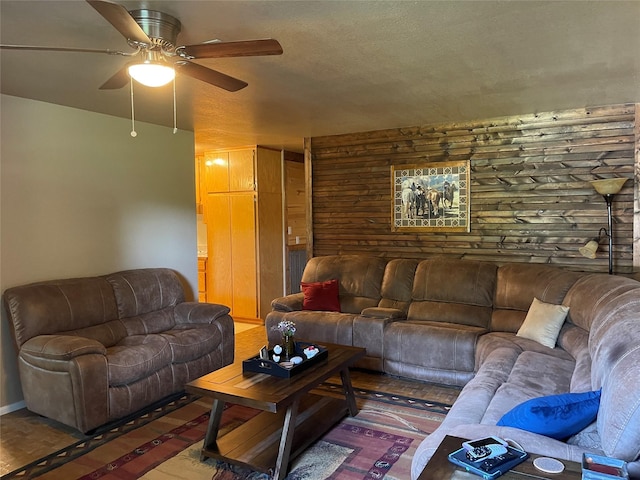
(93, 350)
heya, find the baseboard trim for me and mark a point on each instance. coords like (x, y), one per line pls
(12, 408)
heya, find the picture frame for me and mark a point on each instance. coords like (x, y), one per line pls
(431, 197)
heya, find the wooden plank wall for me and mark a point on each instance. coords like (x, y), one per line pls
(530, 196)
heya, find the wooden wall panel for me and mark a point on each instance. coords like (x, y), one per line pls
(530, 196)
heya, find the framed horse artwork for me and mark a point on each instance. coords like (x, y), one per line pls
(431, 197)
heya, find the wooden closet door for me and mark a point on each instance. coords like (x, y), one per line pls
(242, 170)
(219, 267)
(243, 255)
(216, 172)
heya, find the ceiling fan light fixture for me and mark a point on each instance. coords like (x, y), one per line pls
(152, 71)
(151, 74)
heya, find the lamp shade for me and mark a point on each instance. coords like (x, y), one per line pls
(151, 74)
(608, 186)
(589, 250)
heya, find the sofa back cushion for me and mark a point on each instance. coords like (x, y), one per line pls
(518, 284)
(145, 290)
(614, 345)
(397, 284)
(58, 306)
(592, 293)
(456, 291)
(108, 334)
(359, 276)
(151, 322)
(575, 341)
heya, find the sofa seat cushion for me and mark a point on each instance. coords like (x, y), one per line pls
(489, 342)
(436, 351)
(137, 357)
(331, 327)
(189, 342)
(476, 395)
(588, 438)
(533, 375)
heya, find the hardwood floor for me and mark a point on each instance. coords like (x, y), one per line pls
(25, 436)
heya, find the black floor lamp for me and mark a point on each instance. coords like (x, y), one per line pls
(607, 188)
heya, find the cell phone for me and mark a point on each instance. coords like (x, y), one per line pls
(489, 468)
(483, 442)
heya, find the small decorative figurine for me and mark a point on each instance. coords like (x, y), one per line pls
(311, 351)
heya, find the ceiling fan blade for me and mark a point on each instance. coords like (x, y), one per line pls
(119, 17)
(119, 80)
(244, 48)
(212, 77)
(61, 49)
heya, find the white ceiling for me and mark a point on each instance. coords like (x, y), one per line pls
(348, 66)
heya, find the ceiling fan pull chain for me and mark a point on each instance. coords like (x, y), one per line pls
(133, 121)
(175, 128)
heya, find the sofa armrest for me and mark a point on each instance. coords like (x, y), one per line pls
(194, 312)
(65, 377)
(368, 331)
(290, 303)
(61, 347)
(532, 443)
(380, 312)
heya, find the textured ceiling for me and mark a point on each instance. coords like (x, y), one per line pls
(348, 66)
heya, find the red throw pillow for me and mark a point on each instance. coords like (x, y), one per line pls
(321, 296)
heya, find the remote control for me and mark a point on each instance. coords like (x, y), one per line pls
(492, 463)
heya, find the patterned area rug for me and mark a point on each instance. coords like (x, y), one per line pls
(165, 444)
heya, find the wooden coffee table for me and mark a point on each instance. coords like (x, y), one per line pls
(440, 468)
(292, 418)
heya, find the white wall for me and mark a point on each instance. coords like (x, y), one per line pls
(79, 197)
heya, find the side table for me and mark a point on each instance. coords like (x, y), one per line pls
(440, 468)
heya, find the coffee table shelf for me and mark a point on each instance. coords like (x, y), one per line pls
(292, 417)
(256, 443)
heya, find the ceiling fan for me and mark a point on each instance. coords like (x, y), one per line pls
(153, 35)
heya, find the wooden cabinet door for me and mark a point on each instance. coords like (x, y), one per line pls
(243, 255)
(241, 170)
(219, 267)
(216, 172)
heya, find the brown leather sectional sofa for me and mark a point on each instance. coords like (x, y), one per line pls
(93, 350)
(455, 322)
